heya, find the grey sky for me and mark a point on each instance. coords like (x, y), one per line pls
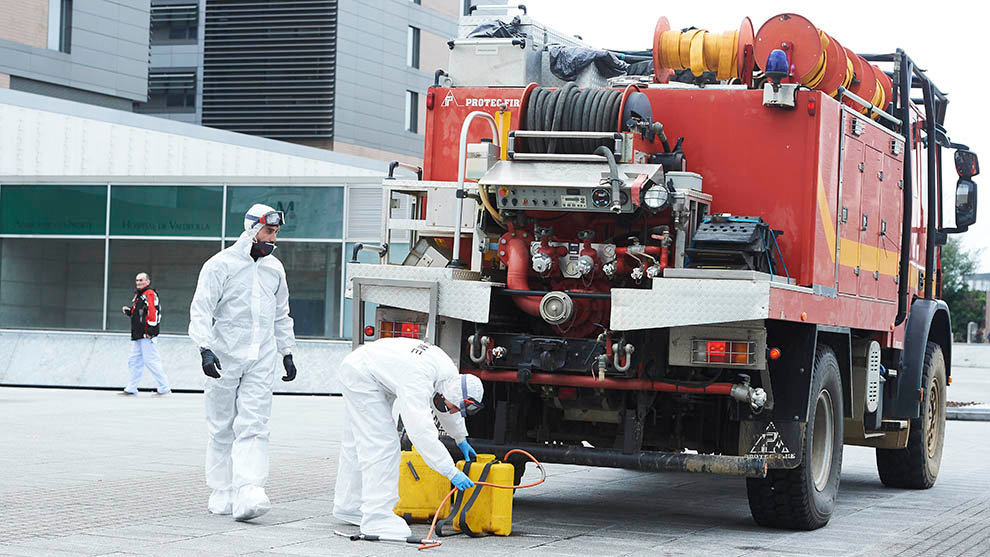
(946, 38)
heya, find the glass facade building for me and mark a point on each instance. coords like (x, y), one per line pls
(69, 252)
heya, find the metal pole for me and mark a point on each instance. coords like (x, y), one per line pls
(459, 194)
(106, 260)
(904, 73)
(932, 178)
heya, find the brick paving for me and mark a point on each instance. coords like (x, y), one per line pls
(92, 473)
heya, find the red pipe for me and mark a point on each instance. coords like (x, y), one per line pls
(517, 276)
(608, 383)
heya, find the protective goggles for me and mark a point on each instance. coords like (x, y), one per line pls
(271, 218)
(468, 407)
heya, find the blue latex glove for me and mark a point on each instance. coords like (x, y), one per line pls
(461, 481)
(468, 450)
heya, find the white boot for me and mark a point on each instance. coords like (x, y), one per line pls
(221, 501)
(250, 502)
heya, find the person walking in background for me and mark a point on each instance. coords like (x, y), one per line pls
(146, 316)
(240, 321)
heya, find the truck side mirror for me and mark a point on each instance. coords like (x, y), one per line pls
(967, 164)
(965, 203)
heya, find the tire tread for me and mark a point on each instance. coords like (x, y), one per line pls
(904, 468)
(782, 499)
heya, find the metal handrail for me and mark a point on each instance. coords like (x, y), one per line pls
(459, 194)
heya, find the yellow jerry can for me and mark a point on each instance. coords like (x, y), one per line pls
(420, 489)
(491, 509)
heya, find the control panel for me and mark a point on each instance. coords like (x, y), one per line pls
(585, 199)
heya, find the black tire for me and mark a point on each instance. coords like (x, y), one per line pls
(803, 498)
(916, 466)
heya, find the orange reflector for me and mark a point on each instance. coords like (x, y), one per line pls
(949, 380)
(804, 316)
(774, 353)
(369, 331)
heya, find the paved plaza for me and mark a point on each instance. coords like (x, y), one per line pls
(94, 473)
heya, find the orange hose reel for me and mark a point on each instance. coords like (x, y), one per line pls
(700, 51)
(819, 62)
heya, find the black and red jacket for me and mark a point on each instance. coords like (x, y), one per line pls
(146, 313)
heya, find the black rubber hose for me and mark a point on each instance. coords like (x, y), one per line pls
(601, 116)
(556, 100)
(589, 123)
(541, 101)
(574, 145)
(559, 116)
(531, 118)
(612, 117)
(571, 91)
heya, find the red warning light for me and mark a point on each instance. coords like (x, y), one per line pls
(369, 331)
(774, 353)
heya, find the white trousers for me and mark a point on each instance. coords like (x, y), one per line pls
(144, 353)
(238, 407)
(367, 488)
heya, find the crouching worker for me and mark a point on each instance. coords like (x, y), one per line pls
(421, 381)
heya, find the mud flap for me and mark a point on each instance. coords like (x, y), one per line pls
(778, 441)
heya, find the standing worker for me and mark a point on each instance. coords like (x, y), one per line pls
(417, 378)
(145, 312)
(240, 317)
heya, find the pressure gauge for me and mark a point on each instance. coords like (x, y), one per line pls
(601, 197)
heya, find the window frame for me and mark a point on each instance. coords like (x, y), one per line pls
(412, 112)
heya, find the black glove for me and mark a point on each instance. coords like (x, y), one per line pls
(210, 363)
(290, 368)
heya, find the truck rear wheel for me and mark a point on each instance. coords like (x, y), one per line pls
(803, 498)
(916, 466)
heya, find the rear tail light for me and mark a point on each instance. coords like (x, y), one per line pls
(723, 352)
(398, 329)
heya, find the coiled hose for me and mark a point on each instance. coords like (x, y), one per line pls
(570, 108)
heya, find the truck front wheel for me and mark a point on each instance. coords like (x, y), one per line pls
(803, 498)
(916, 466)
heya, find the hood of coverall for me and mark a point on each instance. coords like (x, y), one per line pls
(451, 389)
(251, 228)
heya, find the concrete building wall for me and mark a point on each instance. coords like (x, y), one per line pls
(108, 52)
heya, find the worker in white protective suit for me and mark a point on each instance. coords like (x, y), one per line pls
(239, 319)
(421, 381)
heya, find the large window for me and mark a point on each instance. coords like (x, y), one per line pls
(174, 24)
(166, 211)
(51, 283)
(53, 210)
(310, 212)
(66, 262)
(312, 271)
(174, 269)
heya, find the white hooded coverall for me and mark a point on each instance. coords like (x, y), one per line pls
(241, 312)
(405, 372)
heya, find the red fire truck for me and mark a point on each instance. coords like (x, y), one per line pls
(729, 266)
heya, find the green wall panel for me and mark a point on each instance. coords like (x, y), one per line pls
(53, 209)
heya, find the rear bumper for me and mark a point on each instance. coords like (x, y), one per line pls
(648, 461)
